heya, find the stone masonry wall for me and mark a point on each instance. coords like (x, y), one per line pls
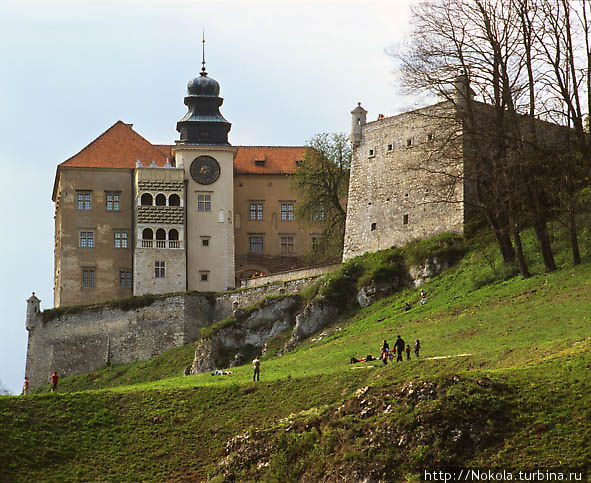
(402, 184)
(83, 342)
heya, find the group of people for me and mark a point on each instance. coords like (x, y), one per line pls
(400, 346)
(408, 306)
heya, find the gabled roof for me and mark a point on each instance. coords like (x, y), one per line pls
(267, 159)
(118, 147)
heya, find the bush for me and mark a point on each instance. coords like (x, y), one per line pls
(446, 246)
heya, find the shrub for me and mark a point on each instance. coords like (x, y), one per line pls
(446, 246)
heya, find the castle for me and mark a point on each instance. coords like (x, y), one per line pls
(133, 218)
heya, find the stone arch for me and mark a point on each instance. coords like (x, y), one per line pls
(174, 200)
(160, 234)
(173, 234)
(147, 234)
(160, 200)
(147, 199)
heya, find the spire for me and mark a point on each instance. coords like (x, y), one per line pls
(203, 72)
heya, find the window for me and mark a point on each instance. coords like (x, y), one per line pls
(84, 200)
(287, 245)
(203, 202)
(374, 226)
(147, 238)
(159, 270)
(255, 244)
(205, 242)
(86, 239)
(146, 199)
(256, 211)
(160, 238)
(160, 200)
(112, 198)
(430, 137)
(204, 276)
(409, 143)
(125, 278)
(372, 152)
(259, 162)
(287, 211)
(405, 220)
(88, 278)
(120, 239)
(174, 200)
(320, 214)
(390, 147)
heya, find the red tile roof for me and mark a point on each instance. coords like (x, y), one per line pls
(118, 147)
(271, 159)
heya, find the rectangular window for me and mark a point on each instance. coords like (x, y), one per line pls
(409, 143)
(120, 239)
(287, 245)
(204, 276)
(320, 214)
(159, 270)
(256, 211)
(125, 278)
(287, 211)
(372, 152)
(255, 244)
(205, 242)
(84, 200)
(203, 202)
(405, 220)
(430, 137)
(87, 278)
(112, 198)
(86, 239)
(390, 147)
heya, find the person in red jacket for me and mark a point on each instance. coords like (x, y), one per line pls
(54, 380)
(26, 386)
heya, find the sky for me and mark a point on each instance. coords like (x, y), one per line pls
(71, 69)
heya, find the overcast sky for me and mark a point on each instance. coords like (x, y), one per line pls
(287, 69)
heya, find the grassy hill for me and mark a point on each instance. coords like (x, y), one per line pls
(502, 381)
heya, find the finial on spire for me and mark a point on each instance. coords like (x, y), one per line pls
(203, 72)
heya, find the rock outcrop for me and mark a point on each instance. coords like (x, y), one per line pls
(244, 334)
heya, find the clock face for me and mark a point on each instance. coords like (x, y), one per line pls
(205, 170)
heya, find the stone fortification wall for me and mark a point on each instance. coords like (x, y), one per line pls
(405, 180)
(94, 337)
(291, 275)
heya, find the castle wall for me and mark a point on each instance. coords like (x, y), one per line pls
(88, 340)
(405, 181)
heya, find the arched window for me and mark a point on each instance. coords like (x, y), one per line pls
(173, 234)
(174, 200)
(146, 200)
(160, 200)
(147, 238)
(160, 238)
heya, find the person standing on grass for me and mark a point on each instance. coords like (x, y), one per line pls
(385, 352)
(408, 352)
(417, 347)
(399, 344)
(256, 365)
(55, 377)
(26, 386)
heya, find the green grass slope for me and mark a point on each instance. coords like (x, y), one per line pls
(503, 381)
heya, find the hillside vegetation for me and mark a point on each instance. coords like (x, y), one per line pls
(502, 381)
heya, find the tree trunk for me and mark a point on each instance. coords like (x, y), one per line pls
(519, 252)
(542, 235)
(573, 232)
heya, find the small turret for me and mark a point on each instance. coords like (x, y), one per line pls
(357, 122)
(463, 91)
(33, 312)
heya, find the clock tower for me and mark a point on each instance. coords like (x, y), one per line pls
(207, 158)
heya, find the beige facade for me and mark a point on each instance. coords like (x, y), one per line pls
(159, 255)
(93, 235)
(209, 219)
(268, 237)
